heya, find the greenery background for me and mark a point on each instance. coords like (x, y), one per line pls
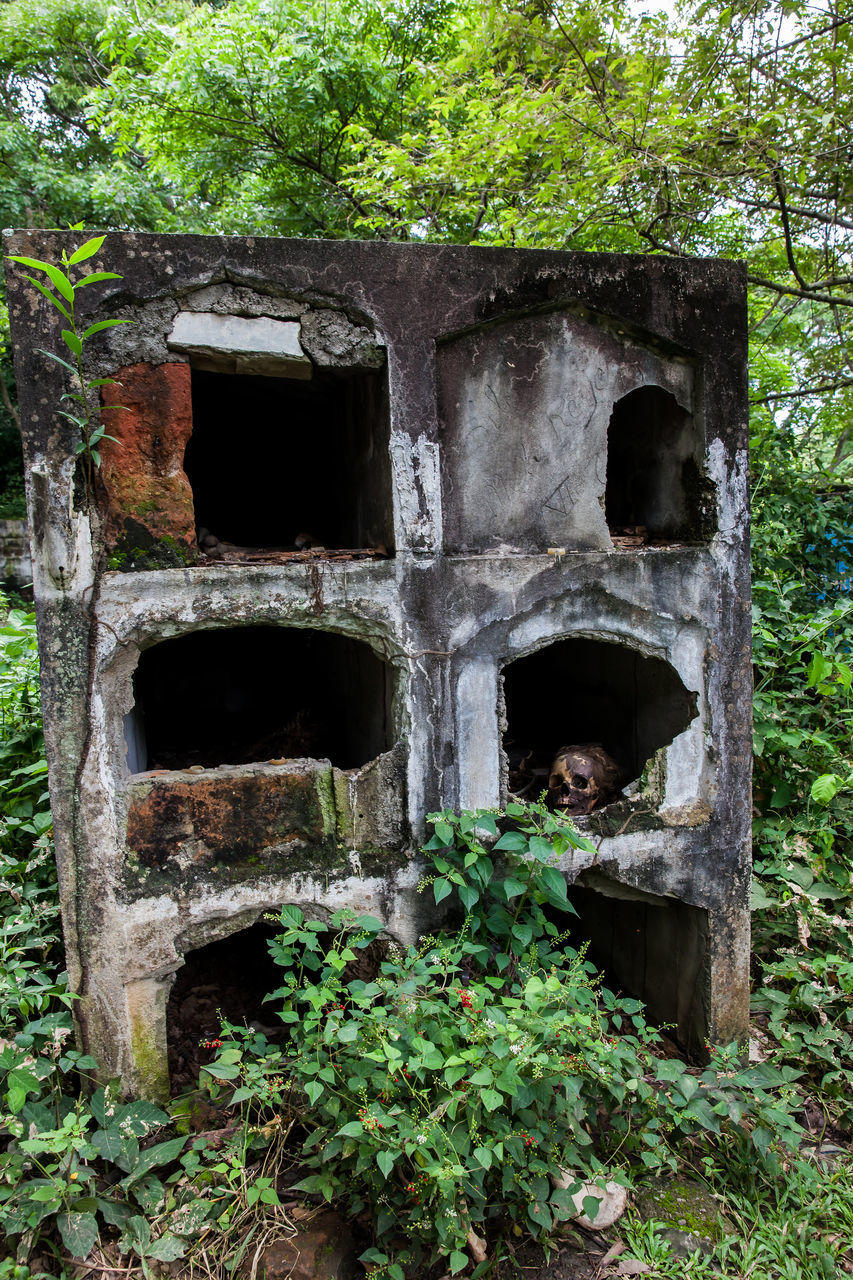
(714, 129)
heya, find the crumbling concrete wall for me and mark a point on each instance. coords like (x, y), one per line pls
(448, 426)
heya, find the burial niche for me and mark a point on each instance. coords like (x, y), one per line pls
(655, 489)
(227, 980)
(281, 463)
(651, 947)
(239, 695)
(585, 716)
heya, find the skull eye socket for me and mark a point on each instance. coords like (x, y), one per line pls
(579, 782)
(555, 781)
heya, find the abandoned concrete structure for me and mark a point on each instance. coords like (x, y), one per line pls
(382, 520)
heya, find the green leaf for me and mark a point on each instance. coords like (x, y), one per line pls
(483, 1156)
(554, 882)
(58, 278)
(441, 888)
(445, 833)
(51, 297)
(51, 355)
(458, 1261)
(491, 1099)
(154, 1156)
(314, 1090)
(95, 277)
(102, 324)
(512, 887)
(825, 787)
(79, 1232)
(513, 841)
(167, 1248)
(87, 250)
(385, 1160)
(72, 341)
(353, 1129)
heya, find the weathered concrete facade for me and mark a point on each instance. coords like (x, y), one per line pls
(379, 516)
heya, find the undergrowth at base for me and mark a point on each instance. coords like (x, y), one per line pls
(440, 1100)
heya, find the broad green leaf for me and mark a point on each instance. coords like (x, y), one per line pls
(441, 888)
(314, 1090)
(825, 788)
(79, 1232)
(167, 1248)
(491, 1099)
(87, 250)
(458, 1261)
(385, 1160)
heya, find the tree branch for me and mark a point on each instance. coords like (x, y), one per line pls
(808, 294)
(804, 391)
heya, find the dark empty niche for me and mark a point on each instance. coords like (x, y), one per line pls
(231, 978)
(270, 459)
(654, 483)
(579, 691)
(653, 948)
(259, 693)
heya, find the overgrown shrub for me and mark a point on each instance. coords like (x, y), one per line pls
(450, 1093)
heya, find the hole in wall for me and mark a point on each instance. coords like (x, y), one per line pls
(229, 977)
(247, 694)
(273, 461)
(653, 948)
(655, 489)
(597, 695)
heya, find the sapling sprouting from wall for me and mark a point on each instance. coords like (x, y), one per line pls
(63, 296)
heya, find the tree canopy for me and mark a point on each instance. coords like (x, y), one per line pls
(719, 129)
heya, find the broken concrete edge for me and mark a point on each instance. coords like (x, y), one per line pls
(453, 617)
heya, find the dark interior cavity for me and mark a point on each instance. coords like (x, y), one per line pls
(270, 459)
(654, 484)
(652, 948)
(231, 978)
(578, 691)
(259, 693)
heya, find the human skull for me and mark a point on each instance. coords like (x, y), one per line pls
(583, 778)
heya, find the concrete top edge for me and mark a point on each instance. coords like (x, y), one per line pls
(381, 248)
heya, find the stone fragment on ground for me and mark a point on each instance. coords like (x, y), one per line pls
(612, 1201)
(689, 1215)
(321, 1249)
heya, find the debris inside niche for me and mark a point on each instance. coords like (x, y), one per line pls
(584, 778)
(581, 778)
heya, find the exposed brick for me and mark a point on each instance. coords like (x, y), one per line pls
(148, 499)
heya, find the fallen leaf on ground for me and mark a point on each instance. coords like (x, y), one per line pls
(632, 1267)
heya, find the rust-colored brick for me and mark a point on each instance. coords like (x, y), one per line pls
(149, 502)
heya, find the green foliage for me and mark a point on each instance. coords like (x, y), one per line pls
(62, 293)
(447, 1094)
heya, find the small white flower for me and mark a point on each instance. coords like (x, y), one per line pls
(489, 1023)
(421, 1137)
(516, 1048)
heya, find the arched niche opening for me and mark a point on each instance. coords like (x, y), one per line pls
(227, 979)
(581, 691)
(245, 694)
(273, 461)
(651, 947)
(655, 488)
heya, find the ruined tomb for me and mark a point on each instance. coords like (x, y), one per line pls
(387, 527)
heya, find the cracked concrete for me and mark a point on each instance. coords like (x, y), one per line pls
(460, 416)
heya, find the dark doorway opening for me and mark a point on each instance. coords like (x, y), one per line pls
(228, 980)
(582, 691)
(259, 693)
(654, 485)
(272, 461)
(652, 948)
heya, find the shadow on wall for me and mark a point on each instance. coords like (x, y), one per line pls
(245, 694)
(579, 691)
